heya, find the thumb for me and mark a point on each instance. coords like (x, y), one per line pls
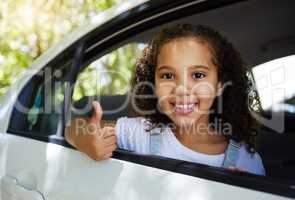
(96, 114)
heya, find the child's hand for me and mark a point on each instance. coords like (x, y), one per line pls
(98, 143)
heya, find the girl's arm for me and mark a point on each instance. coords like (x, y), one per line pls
(88, 137)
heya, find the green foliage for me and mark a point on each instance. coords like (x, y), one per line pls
(30, 27)
(108, 75)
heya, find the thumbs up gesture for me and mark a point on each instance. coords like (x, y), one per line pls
(88, 136)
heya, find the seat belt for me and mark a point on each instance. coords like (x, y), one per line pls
(231, 154)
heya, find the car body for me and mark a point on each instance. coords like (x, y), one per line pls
(42, 165)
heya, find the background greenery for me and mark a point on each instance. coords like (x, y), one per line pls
(110, 74)
(30, 27)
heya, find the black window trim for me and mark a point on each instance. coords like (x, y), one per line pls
(250, 181)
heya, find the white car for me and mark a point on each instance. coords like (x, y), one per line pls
(36, 163)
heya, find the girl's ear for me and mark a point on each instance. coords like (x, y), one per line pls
(219, 89)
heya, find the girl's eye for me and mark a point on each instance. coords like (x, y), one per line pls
(167, 76)
(198, 75)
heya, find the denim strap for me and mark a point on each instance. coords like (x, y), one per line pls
(155, 142)
(231, 154)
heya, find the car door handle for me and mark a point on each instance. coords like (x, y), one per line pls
(12, 189)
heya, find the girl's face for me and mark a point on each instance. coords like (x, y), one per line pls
(186, 81)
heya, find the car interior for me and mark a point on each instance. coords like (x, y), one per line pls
(262, 30)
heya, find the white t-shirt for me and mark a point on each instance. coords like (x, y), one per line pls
(132, 136)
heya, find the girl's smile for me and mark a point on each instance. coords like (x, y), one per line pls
(184, 108)
(186, 81)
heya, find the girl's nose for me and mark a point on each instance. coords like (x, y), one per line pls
(181, 90)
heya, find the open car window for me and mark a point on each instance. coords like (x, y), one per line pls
(109, 75)
(108, 80)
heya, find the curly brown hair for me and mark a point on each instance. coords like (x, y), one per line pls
(231, 68)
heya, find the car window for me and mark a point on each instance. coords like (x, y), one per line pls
(276, 84)
(38, 108)
(108, 80)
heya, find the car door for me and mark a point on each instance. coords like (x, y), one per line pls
(37, 163)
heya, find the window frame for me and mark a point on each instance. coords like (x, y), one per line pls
(131, 23)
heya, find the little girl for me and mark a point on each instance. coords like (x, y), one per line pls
(190, 95)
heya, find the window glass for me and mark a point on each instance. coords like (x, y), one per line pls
(275, 84)
(38, 108)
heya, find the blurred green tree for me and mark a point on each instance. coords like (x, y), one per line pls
(30, 27)
(110, 74)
